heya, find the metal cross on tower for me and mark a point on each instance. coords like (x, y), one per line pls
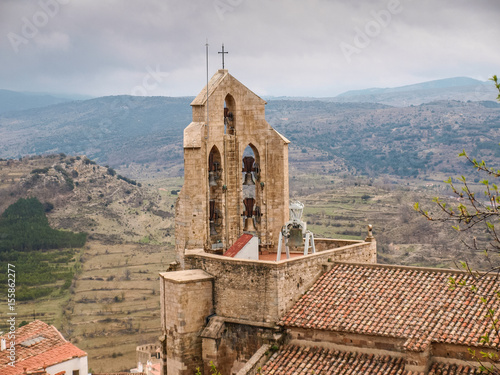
(223, 53)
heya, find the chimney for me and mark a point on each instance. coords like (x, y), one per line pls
(3, 345)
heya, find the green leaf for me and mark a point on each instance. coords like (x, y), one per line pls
(485, 339)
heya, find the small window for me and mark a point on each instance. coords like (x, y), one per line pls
(76, 372)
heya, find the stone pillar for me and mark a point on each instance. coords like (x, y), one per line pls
(211, 338)
(186, 301)
(373, 244)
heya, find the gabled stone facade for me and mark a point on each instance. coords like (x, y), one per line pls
(235, 121)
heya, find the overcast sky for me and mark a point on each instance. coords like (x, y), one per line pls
(276, 47)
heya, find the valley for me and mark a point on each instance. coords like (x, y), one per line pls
(112, 167)
(113, 304)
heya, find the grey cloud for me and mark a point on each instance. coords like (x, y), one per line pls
(281, 47)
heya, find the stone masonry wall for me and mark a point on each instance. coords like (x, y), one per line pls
(449, 353)
(346, 341)
(236, 346)
(262, 291)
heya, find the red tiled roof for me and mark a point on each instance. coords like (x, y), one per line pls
(294, 359)
(238, 245)
(48, 347)
(410, 303)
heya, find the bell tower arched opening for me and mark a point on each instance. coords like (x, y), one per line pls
(215, 183)
(229, 111)
(251, 189)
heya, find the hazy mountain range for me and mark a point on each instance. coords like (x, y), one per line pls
(357, 131)
(18, 101)
(457, 88)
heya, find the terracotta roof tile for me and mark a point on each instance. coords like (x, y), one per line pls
(37, 345)
(416, 304)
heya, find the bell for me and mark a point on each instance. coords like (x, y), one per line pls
(212, 213)
(211, 179)
(295, 239)
(248, 179)
(213, 232)
(212, 217)
(247, 168)
(249, 225)
(248, 203)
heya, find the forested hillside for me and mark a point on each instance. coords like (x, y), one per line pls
(373, 139)
(25, 227)
(25, 240)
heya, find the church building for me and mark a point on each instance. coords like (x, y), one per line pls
(234, 299)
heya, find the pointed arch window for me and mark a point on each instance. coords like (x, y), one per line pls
(215, 195)
(251, 201)
(229, 110)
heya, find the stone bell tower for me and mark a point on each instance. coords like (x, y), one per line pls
(235, 171)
